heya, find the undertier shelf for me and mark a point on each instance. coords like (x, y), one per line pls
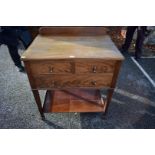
(73, 100)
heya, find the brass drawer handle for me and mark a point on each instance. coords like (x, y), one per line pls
(50, 69)
(93, 83)
(94, 69)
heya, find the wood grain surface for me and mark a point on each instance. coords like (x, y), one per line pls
(73, 30)
(73, 81)
(73, 100)
(51, 67)
(104, 66)
(71, 47)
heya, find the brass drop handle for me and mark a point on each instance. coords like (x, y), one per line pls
(93, 83)
(94, 69)
(51, 69)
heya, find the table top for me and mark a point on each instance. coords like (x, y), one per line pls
(72, 47)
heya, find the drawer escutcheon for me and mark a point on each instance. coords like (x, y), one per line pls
(94, 69)
(51, 69)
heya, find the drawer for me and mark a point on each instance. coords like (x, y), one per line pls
(95, 67)
(73, 81)
(51, 67)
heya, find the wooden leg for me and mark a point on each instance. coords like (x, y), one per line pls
(113, 84)
(109, 97)
(38, 101)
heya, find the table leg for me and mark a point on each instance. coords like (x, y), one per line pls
(113, 84)
(109, 97)
(38, 101)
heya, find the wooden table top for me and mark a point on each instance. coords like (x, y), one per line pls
(70, 47)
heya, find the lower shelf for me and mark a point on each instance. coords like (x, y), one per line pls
(73, 100)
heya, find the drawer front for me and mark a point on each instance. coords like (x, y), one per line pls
(73, 81)
(49, 67)
(95, 67)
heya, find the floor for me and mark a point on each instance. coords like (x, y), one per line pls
(133, 104)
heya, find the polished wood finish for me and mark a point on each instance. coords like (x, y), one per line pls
(71, 48)
(73, 81)
(69, 66)
(73, 100)
(73, 31)
(50, 67)
(35, 92)
(95, 67)
(72, 58)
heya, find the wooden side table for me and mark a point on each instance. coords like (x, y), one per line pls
(72, 64)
